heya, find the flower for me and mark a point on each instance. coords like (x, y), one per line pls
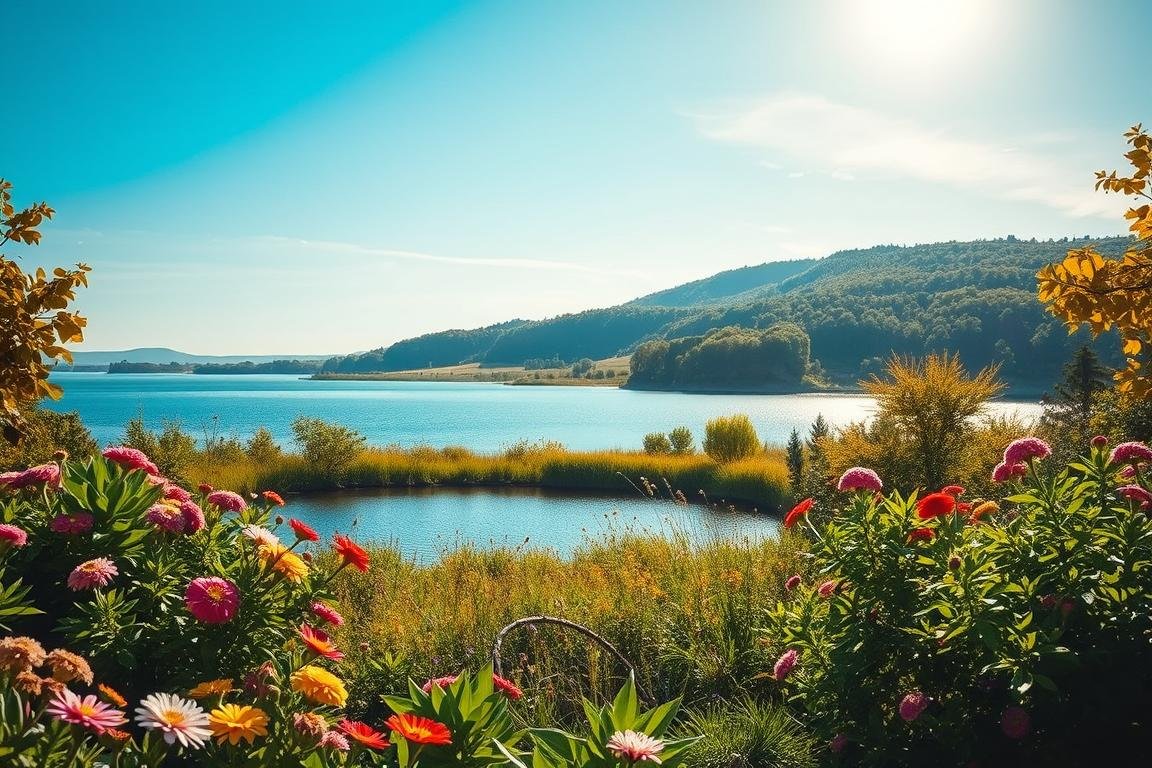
(260, 535)
(1025, 449)
(233, 722)
(328, 614)
(954, 562)
(212, 600)
(303, 531)
(173, 492)
(785, 664)
(335, 740)
(14, 535)
(953, 490)
(20, 654)
(350, 553)
(130, 458)
(117, 735)
(273, 497)
(1099, 442)
(419, 730)
(935, 505)
(46, 474)
(443, 682)
(193, 516)
(797, 512)
(111, 695)
(77, 522)
(635, 747)
(178, 719)
(364, 734)
(920, 534)
(28, 682)
(860, 479)
(166, 517)
(319, 643)
(838, 742)
(67, 666)
(792, 582)
(980, 510)
(1048, 601)
(205, 488)
(87, 712)
(286, 563)
(827, 588)
(507, 687)
(1015, 722)
(319, 686)
(1005, 472)
(913, 705)
(97, 572)
(256, 681)
(1130, 453)
(212, 688)
(310, 724)
(227, 500)
(1137, 494)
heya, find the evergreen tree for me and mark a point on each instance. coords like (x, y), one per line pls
(795, 460)
(1068, 412)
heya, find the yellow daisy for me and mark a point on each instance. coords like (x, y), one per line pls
(319, 686)
(233, 722)
(212, 688)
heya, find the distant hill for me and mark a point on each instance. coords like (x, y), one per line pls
(977, 299)
(164, 355)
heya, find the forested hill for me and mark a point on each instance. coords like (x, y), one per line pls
(974, 298)
(733, 286)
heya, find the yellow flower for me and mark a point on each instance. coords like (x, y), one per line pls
(289, 564)
(232, 722)
(212, 688)
(319, 686)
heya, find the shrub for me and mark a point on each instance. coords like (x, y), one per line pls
(681, 440)
(941, 633)
(328, 448)
(172, 449)
(730, 438)
(656, 443)
(262, 448)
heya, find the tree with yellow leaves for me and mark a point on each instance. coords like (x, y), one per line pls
(34, 317)
(1114, 293)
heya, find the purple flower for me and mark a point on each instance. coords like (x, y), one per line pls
(1130, 453)
(913, 705)
(77, 522)
(1026, 448)
(785, 664)
(859, 479)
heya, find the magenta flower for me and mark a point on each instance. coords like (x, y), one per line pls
(785, 664)
(233, 502)
(335, 740)
(12, 534)
(1130, 453)
(839, 741)
(1005, 472)
(97, 572)
(1024, 449)
(193, 516)
(1100, 441)
(793, 582)
(443, 682)
(77, 522)
(860, 479)
(130, 458)
(1129, 471)
(165, 517)
(87, 712)
(328, 614)
(173, 492)
(1137, 494)
(827, 588)
(212, 600)
(1015, 722)
(913, 705)
(43, 474)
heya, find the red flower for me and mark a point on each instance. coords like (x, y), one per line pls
(319, 643)
(365, 734)
(920, 534)
(273, 497)
(953, 490)
(420, 730)
(304, 532)
(507, 687)
(351, 553)
(798, 512)
(935, 505)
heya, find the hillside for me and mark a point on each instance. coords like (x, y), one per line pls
(164, 355)
(858, 306)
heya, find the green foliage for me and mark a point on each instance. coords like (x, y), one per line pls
(730, 438)
(583, 367)
(262, 448)
(328, 448)
(172, 449)
(657, 443)
(681, 441)
(1122, 417)
(794, 457)
(1045, 605)
(746, 732)
(46, 433)
(1067, 419)
(728, 357)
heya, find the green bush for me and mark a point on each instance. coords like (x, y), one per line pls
(748, 733)
(656, 443)
(328, 448)
(942, 633)
(730, 438)
(681, 440)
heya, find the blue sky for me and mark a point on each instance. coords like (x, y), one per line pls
(291, 177)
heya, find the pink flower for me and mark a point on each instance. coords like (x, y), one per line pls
(839, 741)
(913, 705)
(328, 614)
(165, 517)
(130, 458)
(1137, 494)
(785, 664)
(793, 582)
(443, 682)
(860, 479)
(827, 588)
(93, 573)
(1100, 441)
(77, 522)
(12, 534)
(635, 747)
(233, 502)
(1130, 453)
(507, 687)
(174, 492)
(1129, 471)
(193, 516)
(334, 740)
(43, 474)
(158, 480)
(1005, 472)
(212, 600)
(1015, 722)
(1026, 448)
(87, 712)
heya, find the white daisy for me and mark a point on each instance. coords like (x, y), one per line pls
(261, 535)
(178, 719)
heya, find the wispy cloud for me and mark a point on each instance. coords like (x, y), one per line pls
(849, 142)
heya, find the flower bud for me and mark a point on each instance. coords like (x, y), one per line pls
(306, 557)
(954, 562)
(364, 647)
(60, 455)
(279, 519)
(1099, 442)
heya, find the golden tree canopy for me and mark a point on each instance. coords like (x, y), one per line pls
(1113, 293)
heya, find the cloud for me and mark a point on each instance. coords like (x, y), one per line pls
(848, 142)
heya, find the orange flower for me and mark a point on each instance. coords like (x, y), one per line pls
(319, 643)
(365, 734)
(212, 688)
(273, 497)
(798, 512)
(111, 695)
(288, 564)
(420, 730)
(303, 531)
(351, 553)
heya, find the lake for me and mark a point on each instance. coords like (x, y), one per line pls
(481, 416)
(415, 520)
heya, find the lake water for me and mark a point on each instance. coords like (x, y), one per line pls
(424, 522)
(481, 416)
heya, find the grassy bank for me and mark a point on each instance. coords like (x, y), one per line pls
(761, 480)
